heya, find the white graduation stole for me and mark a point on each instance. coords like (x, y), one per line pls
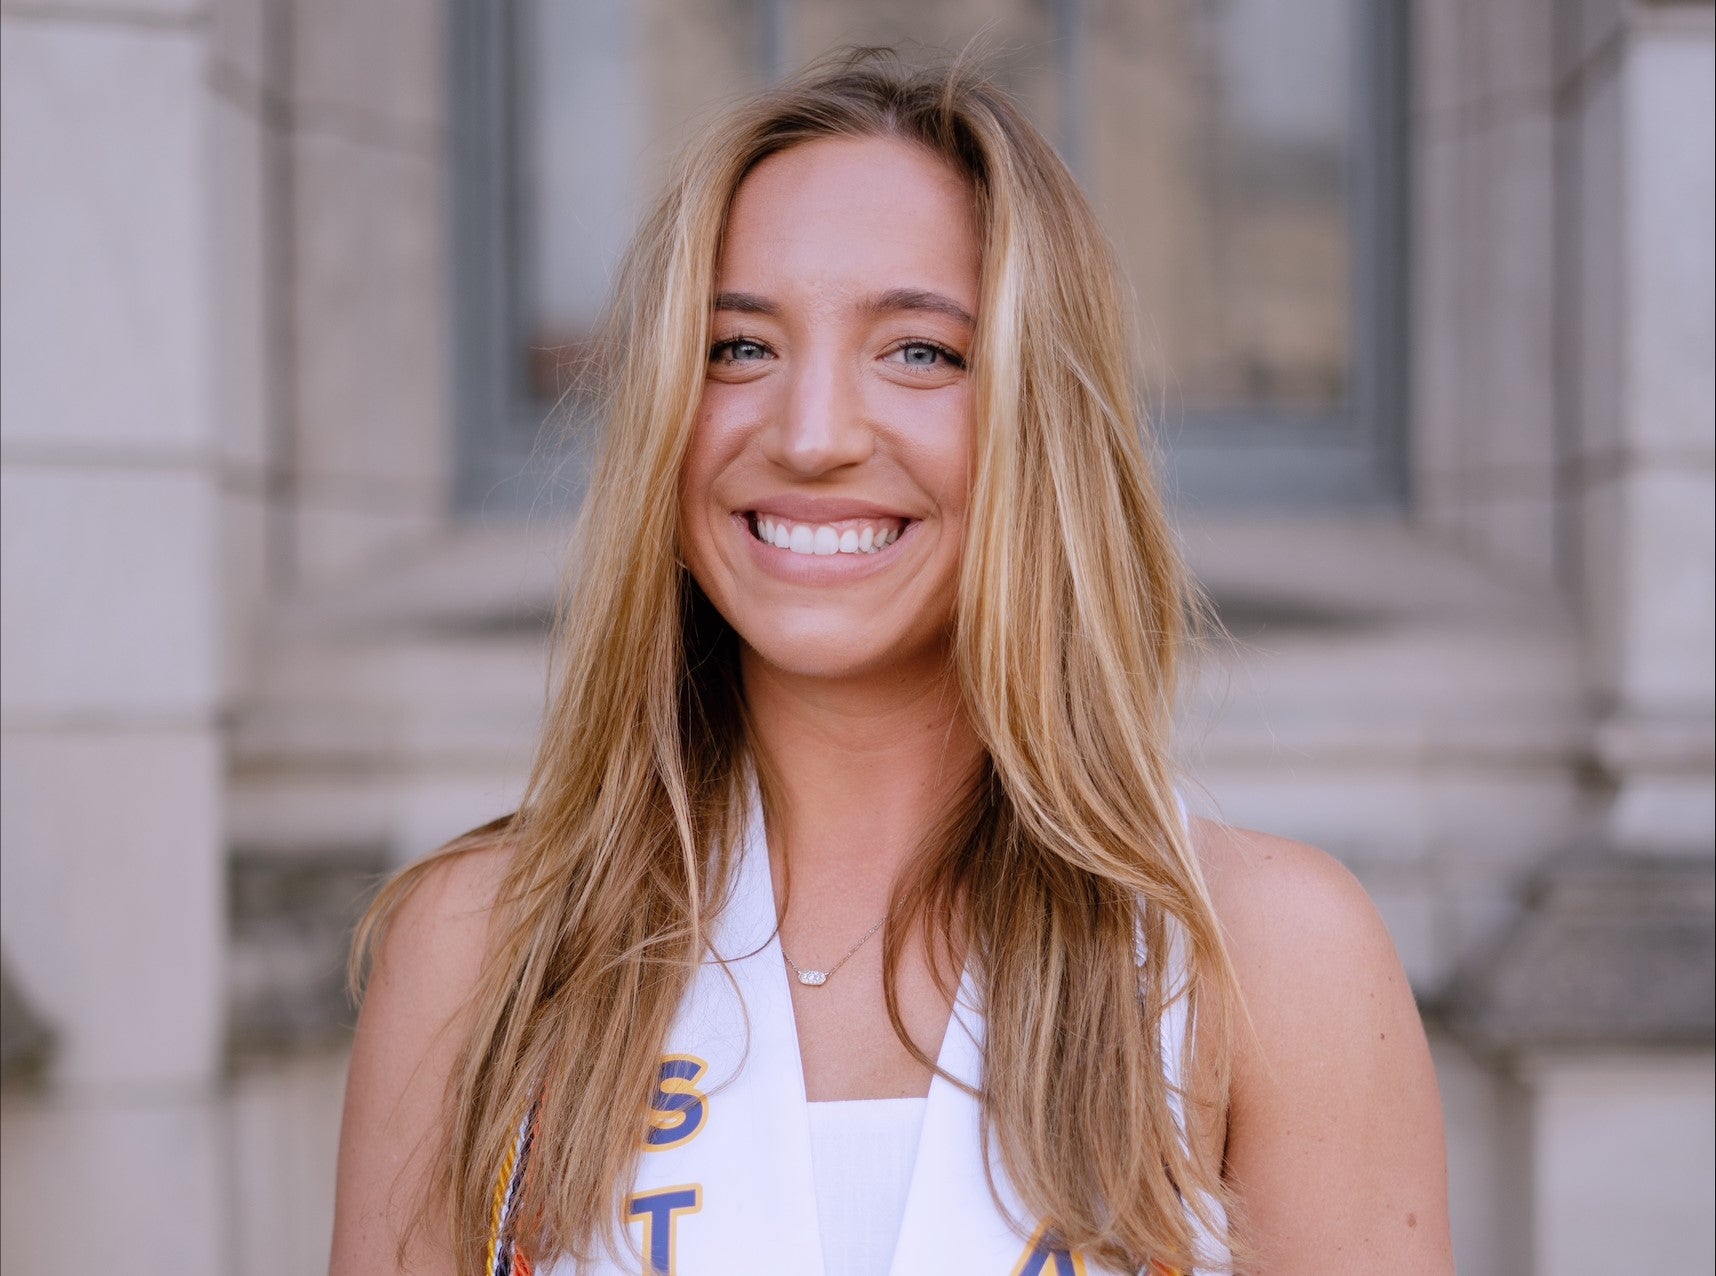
(726, 1184)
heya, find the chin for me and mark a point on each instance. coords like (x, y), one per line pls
(839, 653)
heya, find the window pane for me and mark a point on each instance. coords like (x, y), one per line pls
(605, 90)
(574, 153)
(1221, 133)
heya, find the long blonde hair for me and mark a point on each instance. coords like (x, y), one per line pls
(1066, 868)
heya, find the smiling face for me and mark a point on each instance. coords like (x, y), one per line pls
(823, 496)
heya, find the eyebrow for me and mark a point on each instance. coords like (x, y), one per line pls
(918, 299)
(747, 303)
(893, 301)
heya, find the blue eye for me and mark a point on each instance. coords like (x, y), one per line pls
(926, 355)
(738, 350)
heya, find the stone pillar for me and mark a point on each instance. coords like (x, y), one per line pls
(1600, 1000)
(1638, 253)
(111, 910)
(1483, 279)
(364, 423)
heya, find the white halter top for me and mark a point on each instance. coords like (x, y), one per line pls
(728, 1181)
(862, 1152)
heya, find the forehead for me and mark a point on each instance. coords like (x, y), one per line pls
(842, 215)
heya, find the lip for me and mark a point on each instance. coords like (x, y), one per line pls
(817, 569)
(799, 507)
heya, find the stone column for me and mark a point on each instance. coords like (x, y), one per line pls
(1601, 999)
(111, 910)
(1638, 250)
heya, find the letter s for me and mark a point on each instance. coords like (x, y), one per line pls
(678, 1109)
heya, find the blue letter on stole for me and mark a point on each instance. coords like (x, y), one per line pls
(658, 1211)
(677, 1108)
(1045, 1257)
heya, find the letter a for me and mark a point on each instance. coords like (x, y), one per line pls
(1044, 1256)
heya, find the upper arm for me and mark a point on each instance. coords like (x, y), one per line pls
(1334, 1140)
(408, 1038)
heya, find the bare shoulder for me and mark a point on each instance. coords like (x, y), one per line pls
(442, 922)
(1290, 911)
(1314, 960)
(1334, 1139)
(431, 949)
(423, 970)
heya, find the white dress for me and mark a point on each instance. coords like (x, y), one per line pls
(862, 1152)
(739, 1172)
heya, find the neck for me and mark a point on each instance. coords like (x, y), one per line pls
(862, 770)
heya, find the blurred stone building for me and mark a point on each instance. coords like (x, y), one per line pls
(288, 290)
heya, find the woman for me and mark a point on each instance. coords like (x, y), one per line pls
(851, 918)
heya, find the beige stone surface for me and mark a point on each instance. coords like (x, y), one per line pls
(1515, 41)
(337, 535)
(243, 44)
(133, 1182)
(1519, 530)
(245, 317)
(113, 900)
(1669, 658)
(1438, 87)
(370, 320)
(1488, 1182)
(1649, 567)
(249, 565)
(104, 225)
(1671, 181)
(108, 584)
(1515, 252)
(1438, 442)
(370, 67)
(1600, 286)
(1667, 809)
(1583, 30)
(142, 14)
(283, 1121)
(1623, 1162)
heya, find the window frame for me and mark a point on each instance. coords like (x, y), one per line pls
(1352, 459)
(506, 459)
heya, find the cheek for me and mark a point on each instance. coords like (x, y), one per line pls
(711, 456)
(940, 453)
(697, 473)
(707, 452)
(718, 434)
(954, 478)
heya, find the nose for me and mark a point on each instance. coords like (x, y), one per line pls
(819, 425)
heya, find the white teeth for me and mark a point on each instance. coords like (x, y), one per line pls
(822, 539)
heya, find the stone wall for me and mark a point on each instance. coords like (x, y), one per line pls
(114, 684)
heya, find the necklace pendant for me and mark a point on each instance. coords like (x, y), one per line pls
(814, 978)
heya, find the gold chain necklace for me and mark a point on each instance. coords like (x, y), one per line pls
(816, 978)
